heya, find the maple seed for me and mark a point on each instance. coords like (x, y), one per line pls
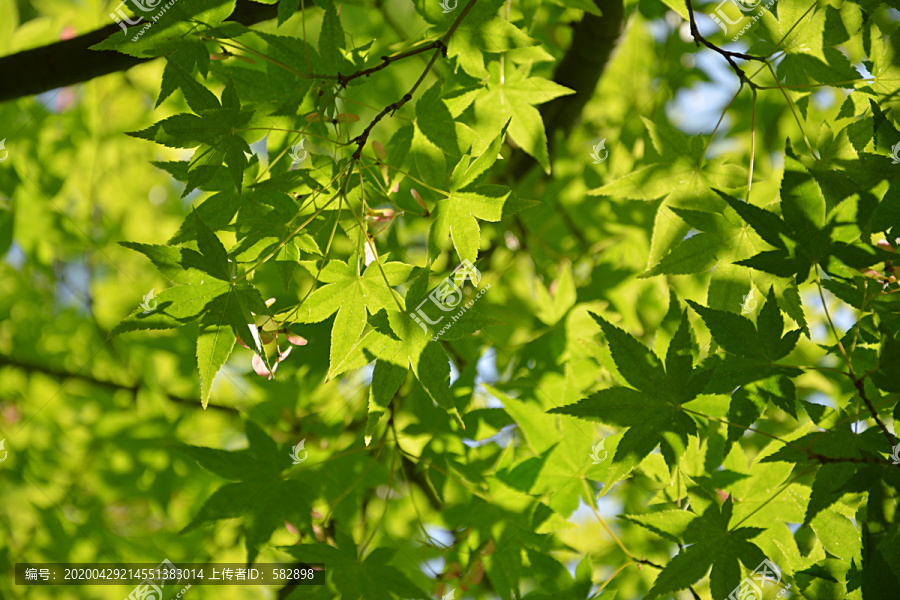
(380, 152)
(453, 571)
(270, 334)
(421, 202)
(380, 215)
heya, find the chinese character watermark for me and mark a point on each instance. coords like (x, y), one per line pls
(751, 586)
(145, 6)
(447, 296)
(32, 574)
(745, 6)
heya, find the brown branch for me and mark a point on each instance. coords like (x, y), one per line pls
(860, 386)
(593, 41)
(133, 388)
(441, 46)
(343, 80)
(68, 62)
(842, 459)
(644, 561)
(727, 54)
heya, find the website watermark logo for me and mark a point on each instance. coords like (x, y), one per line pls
(447, 296)
(121, 18)
(745, 6)
(148, 590)
(595, 453)
(748, 304)
(3, 448)
(295, 454)
(298, 154)
(144, 6)
(596, 153)
(150, 303)
(751, 587)
(445, 4)
(4, 153)
(895, 456)
(895, 153)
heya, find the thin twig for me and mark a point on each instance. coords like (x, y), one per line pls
(133, 388)
(441, 46)
(860, 386)
(343, 80)
(727, 54)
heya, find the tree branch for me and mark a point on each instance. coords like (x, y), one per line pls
(68, 62)
(134, 388)
(727, 54)
(387, 60)
(441, 46)
(861, 388)
(593, 41)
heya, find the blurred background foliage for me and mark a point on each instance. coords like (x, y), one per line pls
(96, 427)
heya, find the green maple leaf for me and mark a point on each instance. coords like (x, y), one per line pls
(712, 544)
(331, 41)
(563, 445)
(482, 32)
(350, 295)
(513, 98)
(402, 344)
(508, 520)
(833, 479)
(807, 59)
(679, 170)
(259, 492)
(721, 237)
(751, 354)
(179, 73)
(554, 580)
(802, 237)
(885, 68)
(457, 215)
(207, 291)
(737, 334)
(670, 524)
(651, 409)
(181, 24)
(355, 577)
(213, 131)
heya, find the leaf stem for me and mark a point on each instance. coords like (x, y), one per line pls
(610, 578)
(360, 140)
(591, 503)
